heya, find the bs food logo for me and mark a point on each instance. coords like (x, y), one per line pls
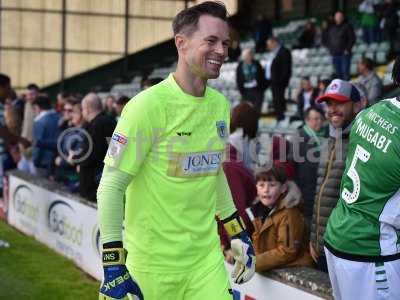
(61, 220)
(23, 203)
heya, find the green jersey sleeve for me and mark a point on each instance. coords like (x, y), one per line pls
(135, 134)
(110, 203)
(225, 205)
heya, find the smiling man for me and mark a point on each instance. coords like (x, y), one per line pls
(166, 154)
(343, 104)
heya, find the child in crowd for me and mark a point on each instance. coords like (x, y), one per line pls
(280, 236)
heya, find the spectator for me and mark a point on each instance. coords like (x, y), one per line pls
(250, 79)
(278, 74)
(340, 40)
(65, 121)
(322, 85)
(324, 30)
(234, 50)
(369, 21)
(13, 122)
(307, 148)
(149, 82)
(280, 236)
(66, 169)
(18, 104)
(27, 124)
(109, 109)
(119, 105)
(363, 94)
(369, 79)
(306, 96)
(262, 31)
(45, 134)
(61, 100)
(390, 23)
(307, 37)
(100, 128)
(6, 136)
(243, 129)
(12, 118)
(343, 103)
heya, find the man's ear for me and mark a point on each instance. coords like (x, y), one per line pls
(180, 42)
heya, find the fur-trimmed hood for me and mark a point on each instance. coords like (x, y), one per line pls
(292, 197)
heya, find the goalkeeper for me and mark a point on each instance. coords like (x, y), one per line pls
(166, 154)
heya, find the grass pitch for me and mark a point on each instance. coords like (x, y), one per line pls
(31, 271)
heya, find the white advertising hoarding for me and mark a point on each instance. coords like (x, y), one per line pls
(67, 226)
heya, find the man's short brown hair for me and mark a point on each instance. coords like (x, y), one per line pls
(186, 20)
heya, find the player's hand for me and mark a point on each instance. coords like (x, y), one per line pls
(117, 282)
(245, 259)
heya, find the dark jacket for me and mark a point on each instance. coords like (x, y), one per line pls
(100, 129)
(330, 171)
(280, 239)
(300, 101)
(340, 38)
(389, 14)
(306, 166)
(281, 68)
(45, 134)
(258, 74)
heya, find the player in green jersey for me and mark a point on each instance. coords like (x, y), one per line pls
(166, 153)
(362, 239)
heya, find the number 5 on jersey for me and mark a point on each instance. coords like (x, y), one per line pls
(363, 155)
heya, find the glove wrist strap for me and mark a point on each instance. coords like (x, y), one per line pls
(113, 256)
(234, 225)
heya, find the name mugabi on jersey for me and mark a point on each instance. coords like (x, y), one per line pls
(173, 145)
(366, 220)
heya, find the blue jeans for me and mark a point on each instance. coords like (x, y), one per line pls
(341, 64)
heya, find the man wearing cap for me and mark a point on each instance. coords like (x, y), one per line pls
(343, 104)
(362, 241)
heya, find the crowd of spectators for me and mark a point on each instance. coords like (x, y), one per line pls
(64, 140)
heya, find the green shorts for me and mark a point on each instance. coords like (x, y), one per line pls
(209, 283)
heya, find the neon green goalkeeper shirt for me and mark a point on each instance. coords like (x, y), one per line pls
(173, 144)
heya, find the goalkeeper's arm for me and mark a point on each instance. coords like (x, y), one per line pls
(241, 245)
(117, 282)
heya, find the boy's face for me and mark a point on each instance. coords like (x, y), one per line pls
(269, 191)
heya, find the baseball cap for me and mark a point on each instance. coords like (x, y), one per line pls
(340, 91)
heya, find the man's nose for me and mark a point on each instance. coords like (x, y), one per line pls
(220, 49)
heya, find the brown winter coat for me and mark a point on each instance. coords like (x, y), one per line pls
(282, 240)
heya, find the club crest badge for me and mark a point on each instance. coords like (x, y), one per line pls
(221, 129)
